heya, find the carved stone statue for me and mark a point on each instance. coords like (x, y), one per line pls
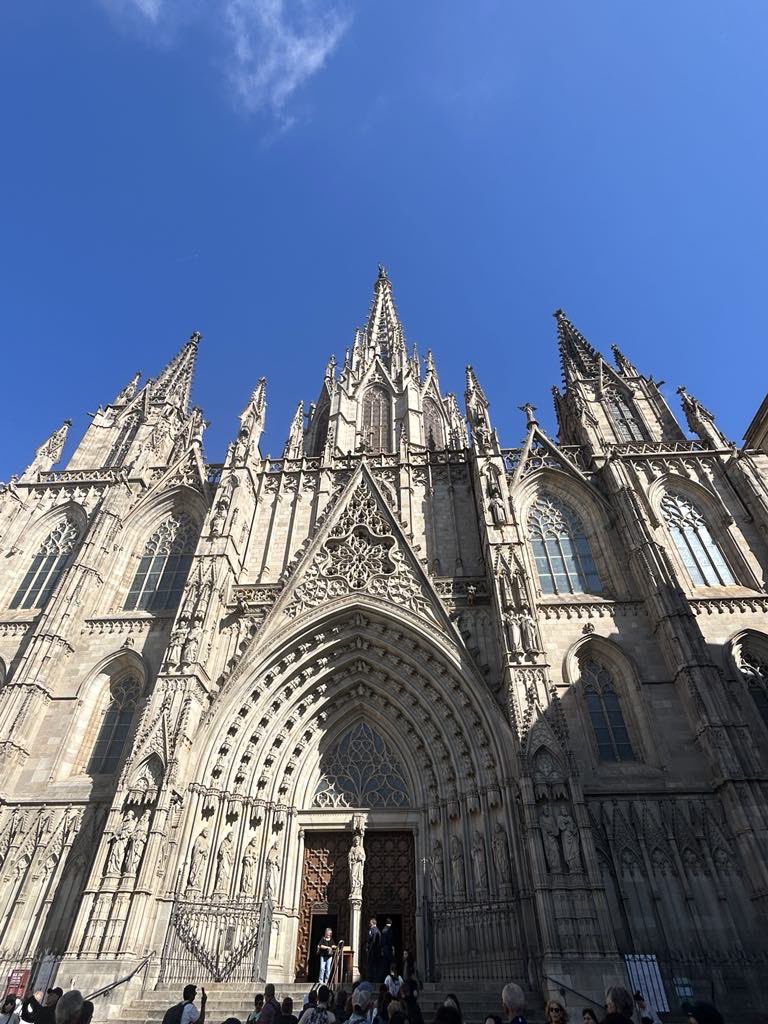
(250, 862)
(514, 633)
(479, 865)
(437, 870)
(356, 860)
(199, 856)
(272, 870)
(192, 645)
(550, 835)
(223, 864)
(118, 845)
(569, 834)
(529, 634)
(136, 844)
(498, 510)
(501, 856)
(175, 644)
(457, 866)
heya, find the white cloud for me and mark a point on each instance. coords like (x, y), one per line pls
(273, 46)
(274, 56)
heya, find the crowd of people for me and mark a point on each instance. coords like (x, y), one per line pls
(52, 1007)
(395, 1001)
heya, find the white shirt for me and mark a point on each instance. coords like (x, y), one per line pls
(393, 985)
(189, 1014)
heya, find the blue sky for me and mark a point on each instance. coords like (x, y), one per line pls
(239, 167)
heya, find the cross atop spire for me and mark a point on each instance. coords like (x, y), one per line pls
(174, 384)
(577, 357)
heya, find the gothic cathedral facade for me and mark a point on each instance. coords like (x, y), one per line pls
(530, 683)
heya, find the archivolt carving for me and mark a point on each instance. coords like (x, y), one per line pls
(360, 771)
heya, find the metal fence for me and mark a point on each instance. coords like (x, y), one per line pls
(221, 941)
(473, 941)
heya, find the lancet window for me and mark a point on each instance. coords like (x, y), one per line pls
(360, 771)
(377, 420)
(696, 546)
(563, 557)
(123, 442)
(624, 420)
(164, 565)
(434, 437)
(123, 698)
(754, 669)
(611, 735)
(47, 566)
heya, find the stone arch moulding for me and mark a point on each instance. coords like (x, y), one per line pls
(340, 667)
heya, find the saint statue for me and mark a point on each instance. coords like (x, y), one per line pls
(136, 844)
(479, 865)
(514, 634)
(223, 864)
(528, 629)
(569, 834)
(501, 856)
(356, 860)
(436, 865)
(457, 866)
(271, 871)
(118, 845)
(250, 861)
(550, 835)
(199, 857)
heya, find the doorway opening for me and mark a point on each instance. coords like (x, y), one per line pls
(320, 921)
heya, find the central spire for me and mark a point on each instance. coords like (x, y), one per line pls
(383, 334)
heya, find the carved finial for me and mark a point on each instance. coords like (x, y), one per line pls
(383, 272)
(529, 411)
(196, 337)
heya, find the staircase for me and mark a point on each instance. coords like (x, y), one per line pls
(235, 1000)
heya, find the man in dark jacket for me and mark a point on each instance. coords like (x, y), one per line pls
(38, 1010)
(271, 1011)
(373, 951)
(387, 947)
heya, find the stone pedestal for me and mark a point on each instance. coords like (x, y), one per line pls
(355, 909)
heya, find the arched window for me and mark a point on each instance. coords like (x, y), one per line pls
(47, 566)
(563, 560)
(605, 713)
(164, 566)
(700, 554)
(433, 425)
(754, 669)
(124, 695)
(123, 442)
(377, 420)
(624, 421)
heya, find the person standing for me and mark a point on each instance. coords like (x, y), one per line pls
(37, 1010)
(513, 998)
(620, 1006)
(271, 1010)
(387, 944)
(186, 1012)
(319, 1014)
(287, 1016)
(8, 1013)
(646, 1013)
(325, 949)
(393, 981)
(258, 1006)
(373, 951)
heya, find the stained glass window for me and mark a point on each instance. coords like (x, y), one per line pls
(360, 771)
(564, 561)
(47, 566)
(164, 565)
(115, 726)
(377, 420)
(624, 421)
(604, 709)
(701, 556)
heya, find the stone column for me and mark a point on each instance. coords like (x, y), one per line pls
(356, 859)
(355, 910)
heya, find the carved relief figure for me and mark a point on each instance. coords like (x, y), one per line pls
(569, 834)
(136, 844)
(250, 862)
(192, 645)
(272, 870)
(498, 511)
(118, 846)
(479, 865)
(457, 866)
(199, 857)
(501, 856)
(223, 864)
(528, 629)
(173, 657)
(356, 860)
(550, 835)
(514, 633)
(437, 870)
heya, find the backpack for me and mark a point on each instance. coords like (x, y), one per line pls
(173, 1016)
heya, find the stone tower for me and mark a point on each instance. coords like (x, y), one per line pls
(513, 698)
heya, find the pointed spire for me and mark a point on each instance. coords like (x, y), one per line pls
(473, 387)
(624, 366)
(477, 413)
(49, 452)
(258, 400)
(174, 385)
(129, 390)
(251, 425)
(294, 446)
(577, 357)
(384, 334)
(701, 421)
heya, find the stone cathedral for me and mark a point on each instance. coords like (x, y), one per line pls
(530, 684)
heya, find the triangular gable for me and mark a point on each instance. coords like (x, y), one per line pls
(188, 471)
(360, 550)
(530, 458)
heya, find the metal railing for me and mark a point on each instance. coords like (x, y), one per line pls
(563, 988)
(121, 981)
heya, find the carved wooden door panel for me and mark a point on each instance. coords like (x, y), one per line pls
(389, 886)
(324, 888)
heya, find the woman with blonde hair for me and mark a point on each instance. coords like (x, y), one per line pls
(555, 1013)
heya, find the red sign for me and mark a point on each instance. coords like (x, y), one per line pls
(18, 980)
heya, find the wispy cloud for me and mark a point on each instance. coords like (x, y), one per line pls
(273, 46)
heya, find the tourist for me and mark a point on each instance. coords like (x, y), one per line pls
(87, 1015)
(258, 1006)
(410, 970)
(395, 1013)
(325, 949)
(620, 1006)
(319, 1014)
(382, 1006)
(513, 998)
(393, 981)
(287, 1016)
(8, 1013)
(361, 999)
(341, 1002)
(446, 1015)
(40, 1011)
(492, 1018)
(373, 951)
(387, 943)
(555, 1013)
(704, 1013)
(69, 1008)
(645, 1013)
(410, 1002)
(452, 1000)
(310, 999)
(588, 1016)
(186, 1012)
(271, 1009)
